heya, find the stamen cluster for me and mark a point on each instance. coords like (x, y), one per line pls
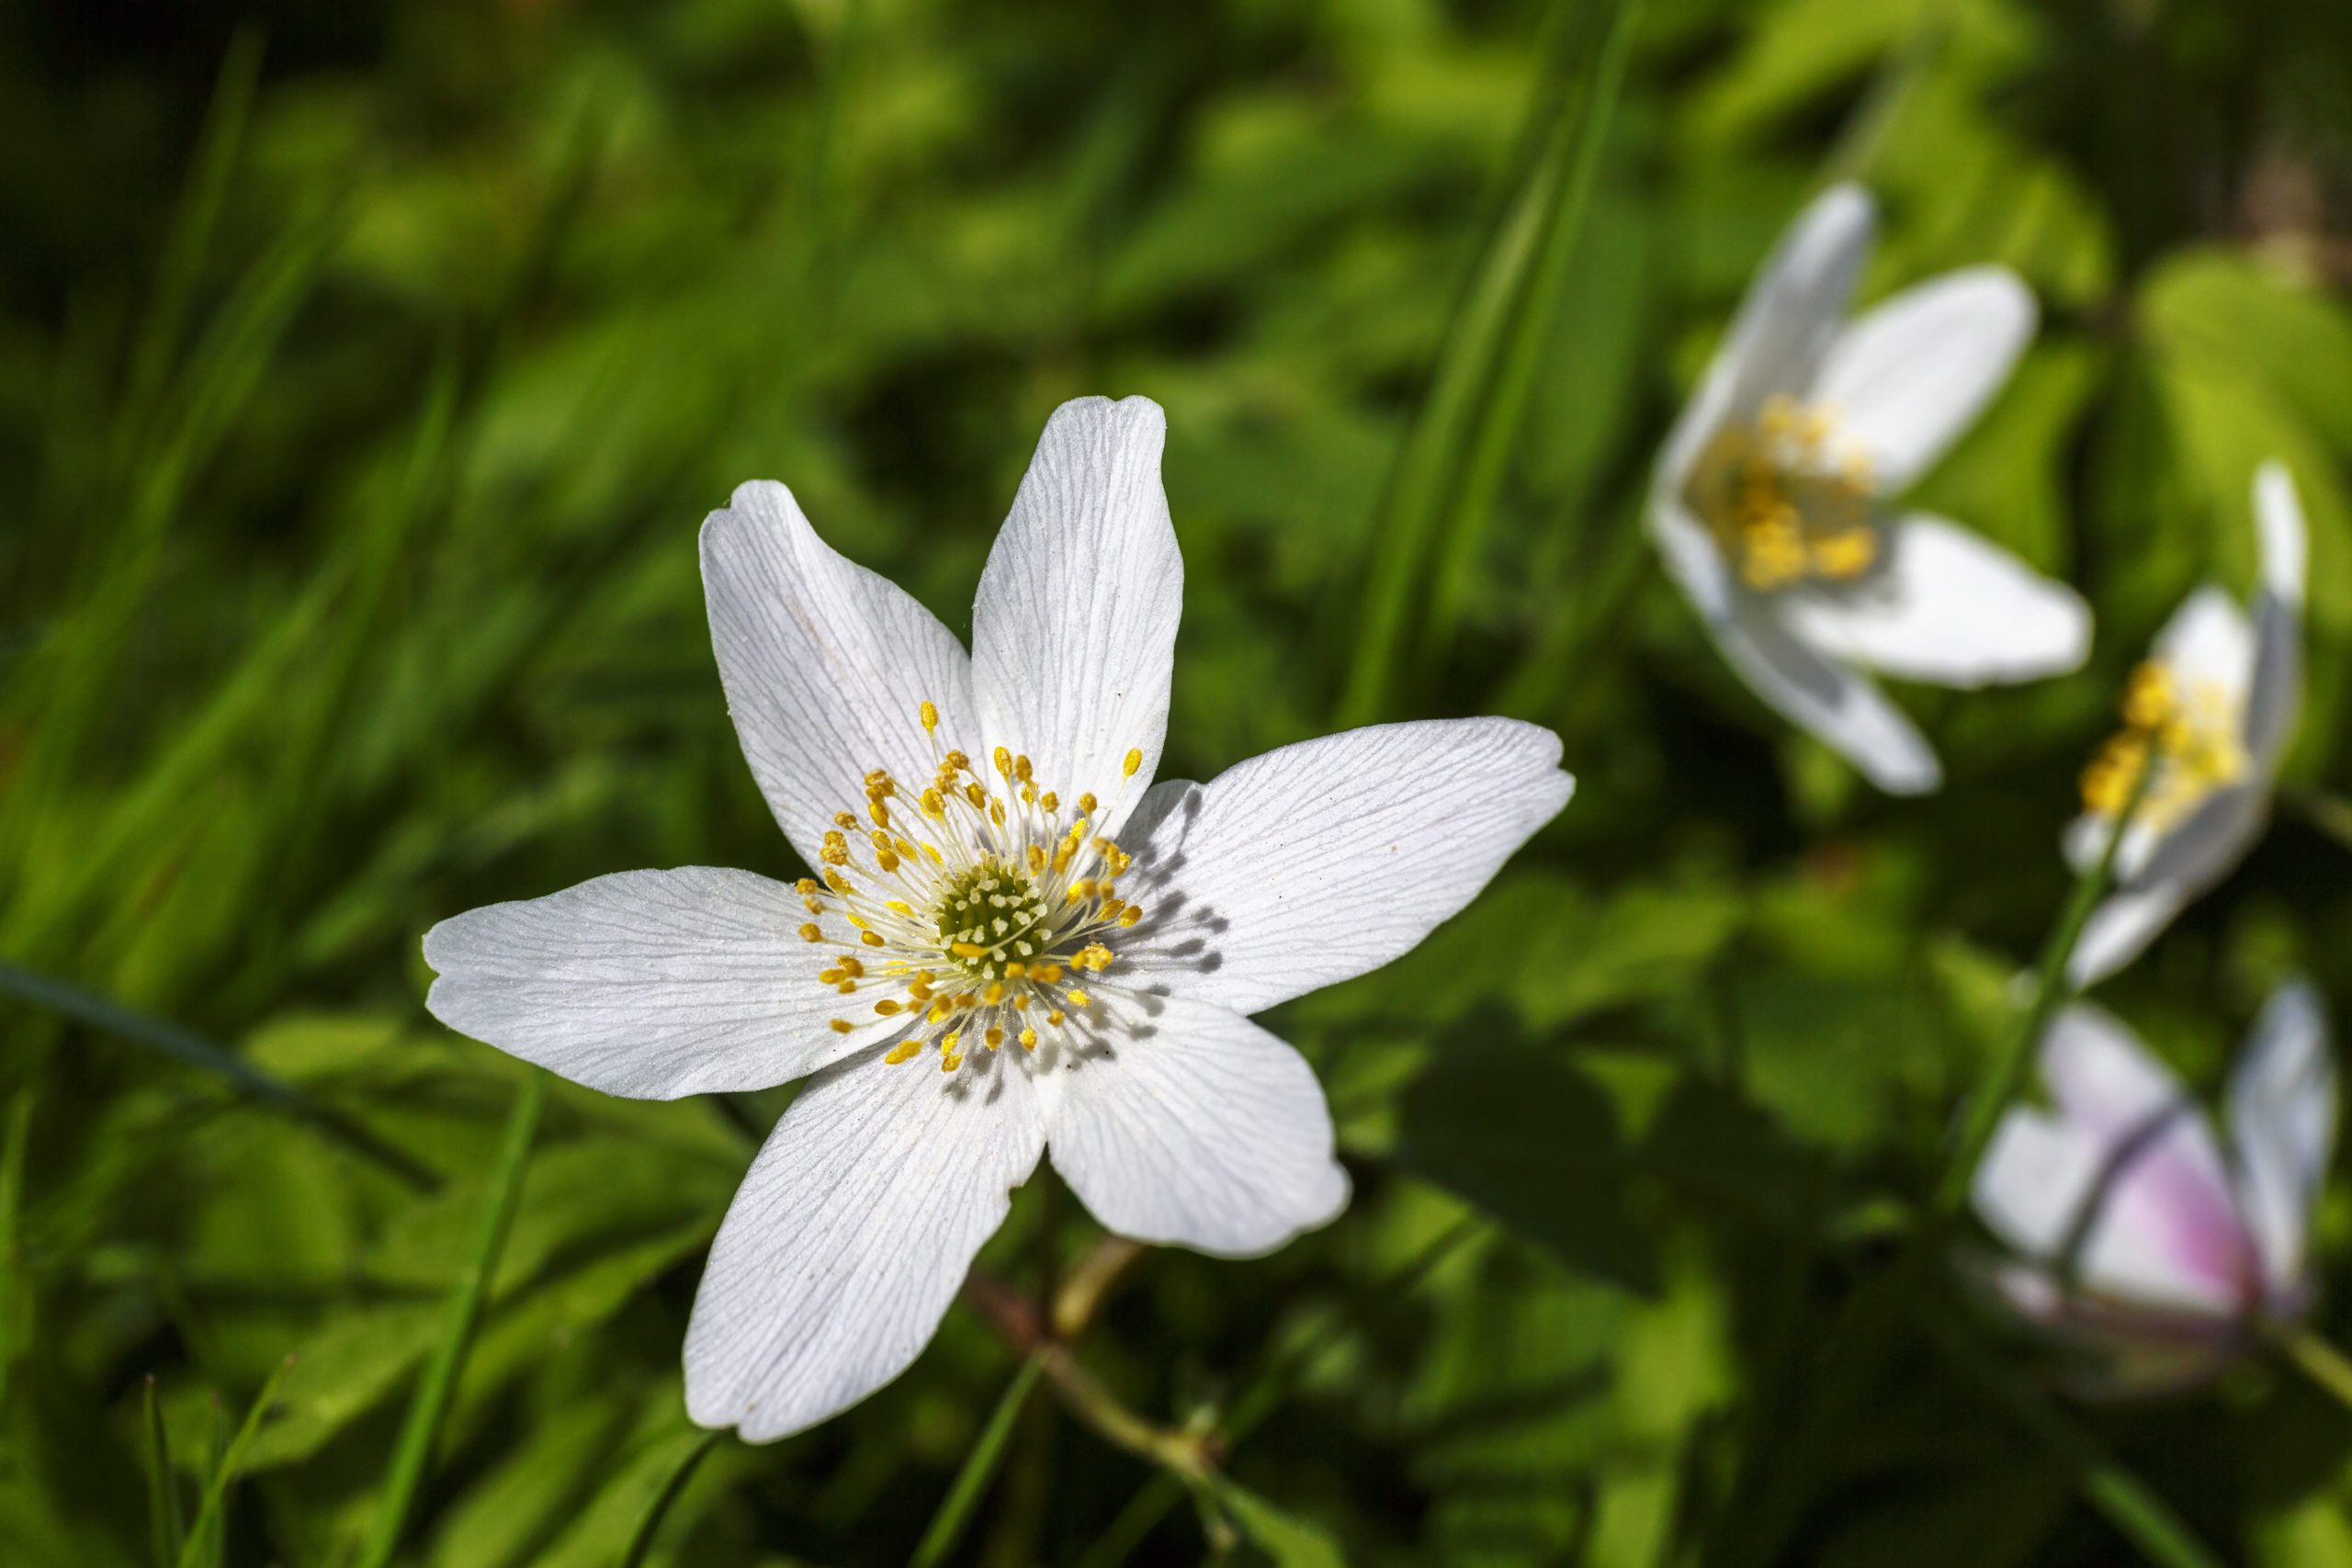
(972, 908)
(1784, 501)
(2191, 738)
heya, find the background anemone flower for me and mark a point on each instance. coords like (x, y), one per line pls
(995, 962)
(2137, 1237)
(2212, 711)
(1777, 497)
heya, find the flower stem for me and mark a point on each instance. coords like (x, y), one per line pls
(649, 1523)
(2318, 1361)
(1084, 1288)
(2051, 989)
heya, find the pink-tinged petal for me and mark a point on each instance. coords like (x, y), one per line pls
(2283, 1108)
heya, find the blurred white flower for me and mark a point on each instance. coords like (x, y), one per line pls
(2212, 711)
(2135, 1234)
(1018, 944)
(1774, 498)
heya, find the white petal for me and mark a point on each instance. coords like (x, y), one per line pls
(2119, 930)
(1784, 327)
(1692, 556)
(826, 664)
(1912, 373)
(2282, 1121)
(1074, 629)
(1183, 1123)
(2100, 1075)
(851, 1236)
(2209, 643)
(1316, 863)
(1840, 706)
(2277, 695)
(1792, 311)
(2205, 846)
(649, 983)
(1949, 607)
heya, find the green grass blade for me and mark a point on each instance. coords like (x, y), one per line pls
(979, 1465)
(16, 1322)
(166, 1530)
(207, 1539)
(1489, 317)
(413, 1453)
(2141, 1516)
(640, 1540)
(1571, 166)
(190, 1049)
(192, 225)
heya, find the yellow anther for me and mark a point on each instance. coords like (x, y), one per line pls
(899, 906)
(1021, 1002)
(1846, 555)
(1063, 855)
(1048, 974)
(805, 886)
(968, 949)
(2152, 698)
(854, 919)
(976, 794)
(1016, 970)
(1130, 915)
(940, 1010)
(880, 785)
(886, 1008)
(888, 860)
(996, 812)
(1055, 1018)
(839, 883)
(869, 939)
(1082, 890)
(1028, 793)
(1049, 802)
(931, 852)
(994, 1037)
(1021, 769)
(813, 932)
(853, 965)
(1110, 908)
(1036, 860)
(904, 1051)
(1134, 759)
(847, 988)
(879, 812)
(835, 849)
(832, 977)
(905, 847)
(1028, 1040)
(947, 1042)
(932, 804)
(930, 717)
(843, 1026)
(956, 762)
(1078, 999)
(994, 994)
(1005, 761)
(1086, 803)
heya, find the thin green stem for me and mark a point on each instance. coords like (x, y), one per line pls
(167, 1531)
(207, 1536)
(2317, 1360)
(190, 1049)
(979, 1465)
(412, 1455)
(2051, 987)
(649, 1523)
(2127, 1502)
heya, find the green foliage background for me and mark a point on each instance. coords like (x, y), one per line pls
(366, 371)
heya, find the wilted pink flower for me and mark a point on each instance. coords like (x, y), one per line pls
(2135, 1232)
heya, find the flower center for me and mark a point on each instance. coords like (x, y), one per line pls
(1786, 499)
(972, 908)
(2191, 738)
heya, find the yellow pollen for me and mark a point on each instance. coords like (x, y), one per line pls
(995, 1037)
(835, 849)
(1005, 761)
(930, 717)
(805, 886)
(1086, 803)
(1028, 1040)
(899, 906)
(1135, 761)
(2191, 738)
(1049, 802)
(1130, 915)
(886, 1008)
(843, 1026)
(813, 932)
(904, 1051)
(968, 949)
(1054, 1017)
(1078, 999)
(870, 938)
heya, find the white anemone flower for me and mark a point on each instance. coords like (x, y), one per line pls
(2135, 1234)
(1017, 943)
(2212, 711)
(1776, 502)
